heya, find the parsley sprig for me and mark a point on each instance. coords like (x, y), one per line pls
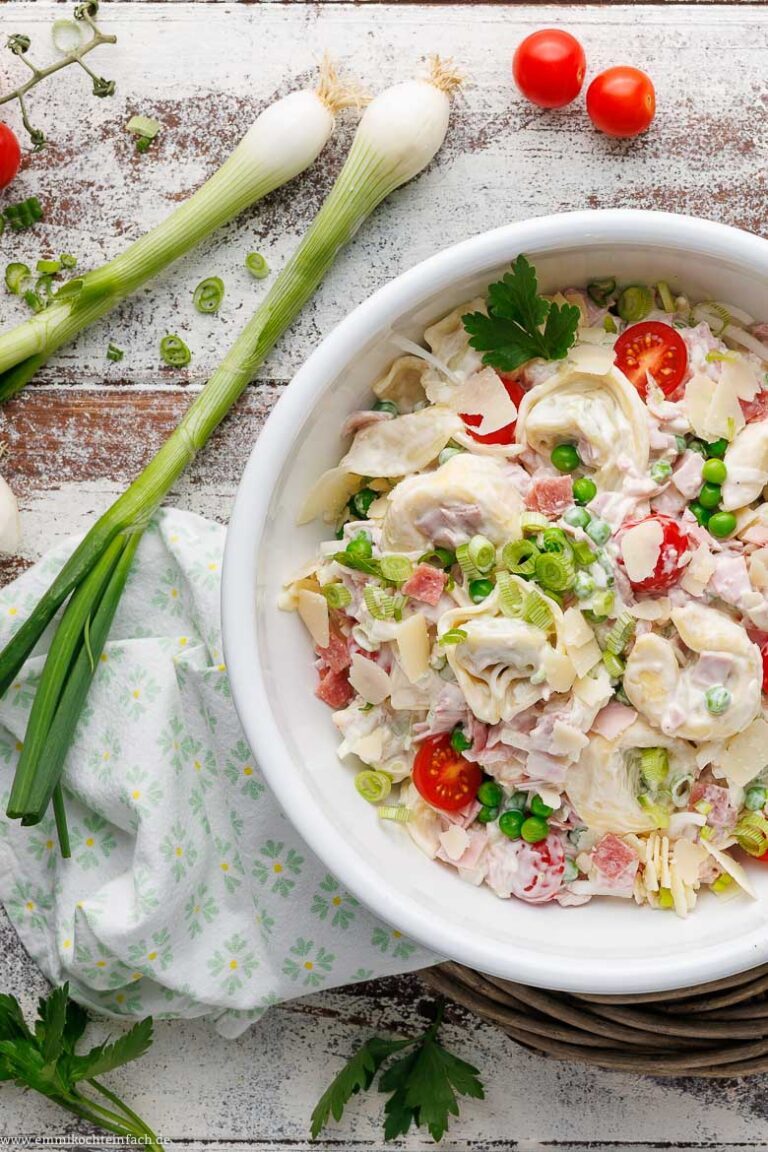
(45, 1059)
(520, 324)
(423, 1084)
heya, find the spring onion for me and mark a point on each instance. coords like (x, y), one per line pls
(439, 558)
(582, 553)
(555, 571)
(68, 261)
(654, 766)
(17, 276)
(447, 453)
(756, 798)
(599, 291)
(614, 665)
(533, 522)
(337, 595)
(482, 553)
(257, 265)
(576, 517)
(635, 303)
(372, 785)
(396, 569)
(751, 834)
(143, 126)
(397, 812)
(717, 699)
(388, 406)
(174, 352)
(114, 353)
(283, 141)
(48, 267)
(666, 297)
(24, 215)
(681, 791)
(511, 597)
(620, 634)
(208, 295)
(466, 563)
(380, 604)
(602, 604)
(453, 636)
(519, 556)
(397, 137)
(537, 612)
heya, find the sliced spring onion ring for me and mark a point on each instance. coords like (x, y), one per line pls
(751, 834)
(654, 766)
(453, 636)
(17, 275)
(533, 522)
(482, 553)
(173, 351)
(519, 556)
(396, 569)
(537, 612)
(511, 597)
(666, 297)
(208, 295)
(143, 126)
(373, 785)
(466, 563)
(257, 265)
(620, 634)
(397, 812)
(337, 595)
(379, 603)
(555, 571)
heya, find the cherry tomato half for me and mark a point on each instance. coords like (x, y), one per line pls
(442, 775)
(621, 101)
(505, 435)
(668, 570)
(548, 67)
(10, 155)
(654, 347)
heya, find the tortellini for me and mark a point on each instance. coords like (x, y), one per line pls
(448, 341)
(603, 787)
(403, 383)
(673, 698)
(404, 445)
(747, 463)
(499, 666)
(466, 495)
(599, 411)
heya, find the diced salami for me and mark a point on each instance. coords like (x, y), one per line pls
(426, 583)
(336, 656)
(335, 689)
(756, 409)
(550, 495)
(615, 860)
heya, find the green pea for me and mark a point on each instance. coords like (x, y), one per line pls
(714, 471)
(635, 303)
(460, 741)
(583, 586)
(565, 458)
(661, 471)
(361, 502)
(701, 513)
(386, 406)
(360, 546)
(755, 799)
(510, 823)
(717, 699)
(534, 829)
(709, 496)
(490, 794)
(479, 590)
(439, 558)
(718, 448)
(584, 490)
(539, 808)
(487, 815)
(577, 517)
(599, 531)
(721, 524)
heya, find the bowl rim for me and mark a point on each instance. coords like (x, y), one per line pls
(583, 229)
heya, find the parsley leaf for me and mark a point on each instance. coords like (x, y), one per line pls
(423, 1084)
(511, 333)
(45, 1060)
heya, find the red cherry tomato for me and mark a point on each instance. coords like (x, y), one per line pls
(442, 775)
(540, 868)
(505, 435)
(548, 67)
(10, 155)
(621, 101)
(668, 570)
(654, 347)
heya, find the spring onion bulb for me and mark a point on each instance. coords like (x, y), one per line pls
(284, 140)
(398, 136)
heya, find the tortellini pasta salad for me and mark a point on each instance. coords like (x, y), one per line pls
(540, 618)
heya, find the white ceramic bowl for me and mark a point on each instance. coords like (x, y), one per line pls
(608, 946)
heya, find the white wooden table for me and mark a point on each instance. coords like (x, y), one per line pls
(85, 428)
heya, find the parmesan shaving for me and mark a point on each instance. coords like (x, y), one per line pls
(558, 669)
(745, 755)
(576, 631)
(313, 609)
(585, 657)
(640, 549)
(413, 646)
(454, 842)
(483, 394)
(328, 496)
(368, 748)
(731, 866)
(369, 680)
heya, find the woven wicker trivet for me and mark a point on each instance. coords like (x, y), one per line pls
(715, 1030)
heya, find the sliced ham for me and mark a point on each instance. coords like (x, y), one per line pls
(336, 656)
(335, 689)
(614, 719)
(722, 814)
(615, 861)
(730, 579)
(550, 495)
(426, 584)
(687, 475)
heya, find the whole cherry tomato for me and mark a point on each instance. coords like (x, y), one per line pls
(548, 67)
(505, 435)
(654, 347)
(621, 101)
(10, 155)
(674, 545)
(442, 776)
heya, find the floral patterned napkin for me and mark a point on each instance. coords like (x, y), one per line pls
(188, 892)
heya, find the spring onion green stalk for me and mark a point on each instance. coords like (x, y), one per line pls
(284, 140)
(398, 136)
(337, 595)
(519, 556)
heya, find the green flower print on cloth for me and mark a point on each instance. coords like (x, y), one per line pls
(188, 892)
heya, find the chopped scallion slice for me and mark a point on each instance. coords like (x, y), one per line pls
(173, 351)
(555, 571)
(337, 595)
(208, 295)
(373, 786)
(657, 812)
(379, 603)
(582, 553)
(466, 563)
(397, 812)
(537, 612)
(16, 276)
(24, 215)
(654, 766)
(614, 665)
(482, 553)
(620, 634)
(453, 636)
(396, 569)
(143, 126)
(49, 267)
(666, 297)
(519, 556)
(600, 290)
(114, 353)
(257, 265)
(68, 261)
(511, 596)
(533, 522)
(751, 834)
